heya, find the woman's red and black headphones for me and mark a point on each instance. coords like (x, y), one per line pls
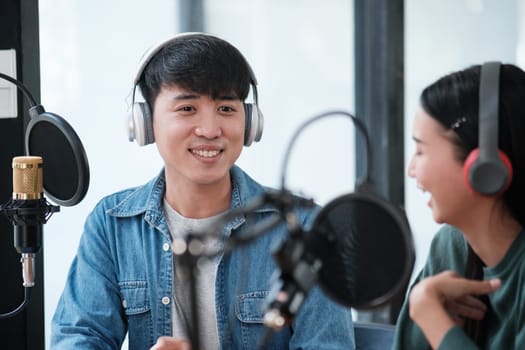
(487, 169)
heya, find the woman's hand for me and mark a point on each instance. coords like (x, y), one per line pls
(170, 343)
(432, 299)
(465, 307)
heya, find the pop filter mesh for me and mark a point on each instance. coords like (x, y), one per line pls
(367, 249)
(61, 176)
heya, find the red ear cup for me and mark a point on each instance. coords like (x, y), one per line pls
(508, 165)
(474, 168)
(467, 165)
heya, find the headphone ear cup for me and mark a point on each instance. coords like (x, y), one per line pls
(467, 166)
(489, 177)
(254, 123)
(141, 124)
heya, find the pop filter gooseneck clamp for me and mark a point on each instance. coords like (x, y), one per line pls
(359, 248)
(51, 139)
(359, 126)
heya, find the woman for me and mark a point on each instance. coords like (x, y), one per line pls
(470, 293)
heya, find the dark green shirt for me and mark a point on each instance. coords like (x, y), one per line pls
(506, 325)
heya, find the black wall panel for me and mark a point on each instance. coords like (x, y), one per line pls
(19, 31)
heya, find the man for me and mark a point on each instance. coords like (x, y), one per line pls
(125, 278)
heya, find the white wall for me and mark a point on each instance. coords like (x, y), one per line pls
(89, 53)
(302, 55)
(442, 36)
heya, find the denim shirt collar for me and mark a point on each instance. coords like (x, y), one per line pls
(148, 199)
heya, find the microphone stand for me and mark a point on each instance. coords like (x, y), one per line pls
(191, 249)
(189, 252)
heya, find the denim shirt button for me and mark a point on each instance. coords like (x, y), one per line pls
(166, 300)
(166, 247)
(124, 304)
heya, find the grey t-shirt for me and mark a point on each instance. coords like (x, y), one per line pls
(180, 227)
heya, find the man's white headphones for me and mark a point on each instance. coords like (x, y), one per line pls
(140, 120)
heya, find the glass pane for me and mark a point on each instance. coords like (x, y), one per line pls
(302, 55)
(443, 36)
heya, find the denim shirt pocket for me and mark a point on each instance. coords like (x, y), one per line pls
(249, 307)
(249, 310)
(136, 306)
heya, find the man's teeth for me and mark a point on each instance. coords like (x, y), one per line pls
(206, 153)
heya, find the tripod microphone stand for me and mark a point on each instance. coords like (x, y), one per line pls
(189, 252)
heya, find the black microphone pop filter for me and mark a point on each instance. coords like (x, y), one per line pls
(366, 248)
(66, 168)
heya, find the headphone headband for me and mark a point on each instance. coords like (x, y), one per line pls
(488, 109)
(148, 55)
(151, 52)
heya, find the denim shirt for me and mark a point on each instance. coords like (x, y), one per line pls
(121, 281)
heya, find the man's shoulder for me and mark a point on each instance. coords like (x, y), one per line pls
(131, 200)
(249, 189)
